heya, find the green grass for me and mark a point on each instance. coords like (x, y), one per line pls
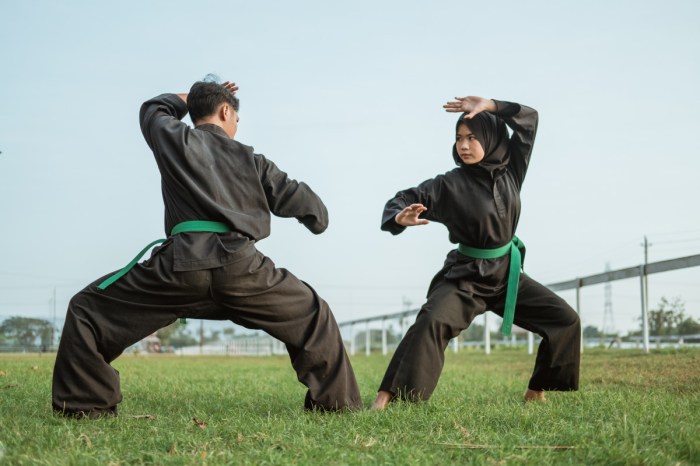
(632, 409)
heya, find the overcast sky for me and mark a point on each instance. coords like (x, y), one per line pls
(347, 96)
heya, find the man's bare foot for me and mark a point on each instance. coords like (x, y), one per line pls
(382, 400)
(534, 395)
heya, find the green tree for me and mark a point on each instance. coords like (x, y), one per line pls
(26, 331)
(214, 336)
(166, 333)
(474, 332)
(591, 331)
(689, 326)
(182, 337)
(667, 317)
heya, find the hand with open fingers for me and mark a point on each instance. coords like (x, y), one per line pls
(408, 217)
(231, 87)
(471, 105)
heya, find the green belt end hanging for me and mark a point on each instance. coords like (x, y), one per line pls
(516, 250)
(183, 227)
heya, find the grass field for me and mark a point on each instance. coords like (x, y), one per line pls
(632, 409)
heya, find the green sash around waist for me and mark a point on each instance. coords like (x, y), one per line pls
(192, 225)
(516, 249)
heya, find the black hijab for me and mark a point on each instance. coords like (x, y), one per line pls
(492, 134)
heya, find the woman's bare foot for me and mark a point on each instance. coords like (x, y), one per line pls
(534, 395)
(382, 400)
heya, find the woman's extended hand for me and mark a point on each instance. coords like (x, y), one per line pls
(408, 217)
(471, 105)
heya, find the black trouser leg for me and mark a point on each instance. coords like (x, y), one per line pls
(100, 324)
(256, 294)
(543, 312)
(416, 366)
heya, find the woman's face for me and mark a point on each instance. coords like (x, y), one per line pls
(468, 147)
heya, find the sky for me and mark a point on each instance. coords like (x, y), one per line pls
(347, 97)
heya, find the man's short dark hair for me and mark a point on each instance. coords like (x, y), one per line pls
(206, 97)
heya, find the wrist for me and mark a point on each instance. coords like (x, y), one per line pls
(491, 106)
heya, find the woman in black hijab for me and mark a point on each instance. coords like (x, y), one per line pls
(479, 203)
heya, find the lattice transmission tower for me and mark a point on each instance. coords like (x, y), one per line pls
(608, 319)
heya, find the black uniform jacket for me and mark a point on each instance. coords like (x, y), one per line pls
(205, 175)
(479, 204)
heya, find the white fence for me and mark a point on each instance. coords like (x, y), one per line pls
(249, 345)
(402, 320)
(382, 333)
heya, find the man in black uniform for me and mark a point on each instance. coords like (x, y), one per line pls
(218, 197)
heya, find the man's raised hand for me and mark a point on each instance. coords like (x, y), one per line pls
(408, 217)
(231, 87)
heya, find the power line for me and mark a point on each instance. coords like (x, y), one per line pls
(677, 232)
(687, 240)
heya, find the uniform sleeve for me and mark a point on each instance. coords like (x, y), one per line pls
(160, 122)
(289, 198)
(522, 121)
(425, 193)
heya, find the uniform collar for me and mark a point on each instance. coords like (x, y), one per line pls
(213, 129)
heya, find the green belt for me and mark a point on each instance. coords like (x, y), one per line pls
(192, 225)
(516, 249)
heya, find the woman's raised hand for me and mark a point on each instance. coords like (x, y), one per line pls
(231, 87)
(471, 105)
(408, 217)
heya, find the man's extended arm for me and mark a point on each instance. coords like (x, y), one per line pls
(289, 198)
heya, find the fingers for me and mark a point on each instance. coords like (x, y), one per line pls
(409, 215)
(453, 107)
(417, 208)
(413, 212)
(231, 87)
(460, 104)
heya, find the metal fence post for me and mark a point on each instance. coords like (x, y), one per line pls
(530, 342)
(352, 340)
(384, 348)
(487, 334)
(645, 308)
(367, 340)
(578, 309)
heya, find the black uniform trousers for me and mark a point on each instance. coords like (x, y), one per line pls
(416, 366)
(250, 292)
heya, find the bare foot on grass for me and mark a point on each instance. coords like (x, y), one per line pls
(382, 400)
(534, 395)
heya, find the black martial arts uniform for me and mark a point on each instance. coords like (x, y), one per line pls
(221, 276)
(480, 206)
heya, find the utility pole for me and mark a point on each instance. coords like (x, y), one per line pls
(646, 245)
